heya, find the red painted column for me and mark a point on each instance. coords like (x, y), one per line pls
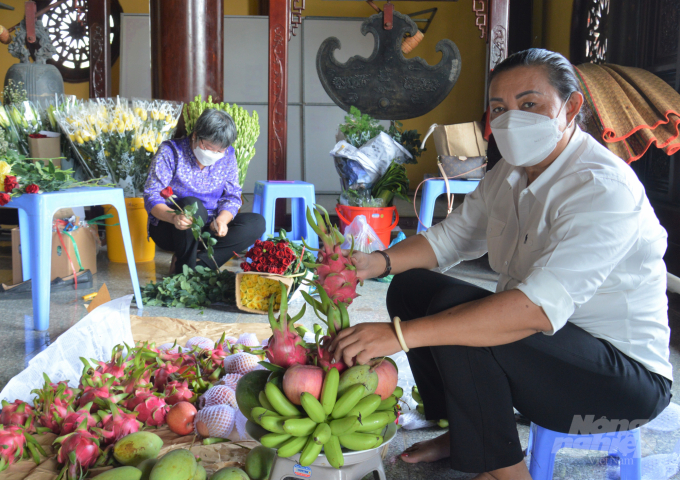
(279, 28)
(98, 12)
(187, 44)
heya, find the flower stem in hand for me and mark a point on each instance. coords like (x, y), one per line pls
(197, 223)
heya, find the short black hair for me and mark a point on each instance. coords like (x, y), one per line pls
(561, 74)
(216, 127)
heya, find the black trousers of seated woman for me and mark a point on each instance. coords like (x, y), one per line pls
(554, 380)
(244, 229)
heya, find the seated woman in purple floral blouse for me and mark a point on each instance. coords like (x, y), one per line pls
(200, 169)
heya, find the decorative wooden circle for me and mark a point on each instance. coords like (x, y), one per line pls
(69, 32)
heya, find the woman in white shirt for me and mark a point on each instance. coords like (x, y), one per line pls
(577, 329)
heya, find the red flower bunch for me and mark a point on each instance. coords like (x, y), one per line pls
(4, 199)
(166, 192)
(32, 188)
(269, 257)
(10, 183)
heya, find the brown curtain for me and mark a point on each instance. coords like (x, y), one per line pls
(631, 109)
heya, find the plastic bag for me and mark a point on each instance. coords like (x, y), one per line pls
(93, 337)
(365, 238)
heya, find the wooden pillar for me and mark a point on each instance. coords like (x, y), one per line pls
(187, 44)
(499, 20)
(279, 28)
(98, 12)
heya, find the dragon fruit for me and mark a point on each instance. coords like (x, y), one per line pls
(152, 410)
(12, 443)
(95, 392)
(52, 415)
(176, 392)
(79, 451)
(162, 373)
(336, 274)
(15, 413)
(116, 425)
(285, 347)
(325, 358)
(138, 378)
(74, 418)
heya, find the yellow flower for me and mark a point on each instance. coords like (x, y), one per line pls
(5, 169)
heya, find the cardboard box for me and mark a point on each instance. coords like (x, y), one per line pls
(85, 238)
(46, 148)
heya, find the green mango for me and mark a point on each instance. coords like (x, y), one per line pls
(137, 447)
(358, 374)
(176, 465)
(146, 466)
(230, 473)
(121, 473)
(201, 474)
(259, 462)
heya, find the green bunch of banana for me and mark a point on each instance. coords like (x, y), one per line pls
(247, 126)
(443, 423)
(355, 420)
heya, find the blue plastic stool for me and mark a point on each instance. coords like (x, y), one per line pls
(432, 190)
(35, 228)
(301, 195)
(544, 445)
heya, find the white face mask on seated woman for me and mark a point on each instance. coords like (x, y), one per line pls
(526, 139)
(206, 157)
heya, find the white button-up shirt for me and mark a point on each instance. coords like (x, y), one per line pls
(582, 242)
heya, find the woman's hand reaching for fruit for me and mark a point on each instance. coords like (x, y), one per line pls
(365, 341)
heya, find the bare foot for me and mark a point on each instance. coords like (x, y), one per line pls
(428, 451)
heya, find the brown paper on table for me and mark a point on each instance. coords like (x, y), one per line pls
(159, 330)
(287, 281)
(162, 330)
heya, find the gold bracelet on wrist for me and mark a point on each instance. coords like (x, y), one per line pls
(400, 337)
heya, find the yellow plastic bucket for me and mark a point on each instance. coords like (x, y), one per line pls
(143, 248)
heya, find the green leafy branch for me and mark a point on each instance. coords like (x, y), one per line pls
(197, 225)
(193, 288)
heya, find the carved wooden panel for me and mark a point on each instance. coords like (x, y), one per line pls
(279, 33)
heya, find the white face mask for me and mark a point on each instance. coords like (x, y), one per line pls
(206, 157)
(526, 139)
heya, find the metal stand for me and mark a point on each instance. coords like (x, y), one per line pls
(357, 464)
(288, 468)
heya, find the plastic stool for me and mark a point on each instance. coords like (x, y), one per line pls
(432, 189)
(301, 195)
(288, 468)
(544, 445)
(35, 228)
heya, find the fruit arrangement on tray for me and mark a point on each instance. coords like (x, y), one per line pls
(309, 402)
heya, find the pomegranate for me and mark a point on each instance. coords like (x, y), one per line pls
(387, 376)
(180, 418)
(302, 378)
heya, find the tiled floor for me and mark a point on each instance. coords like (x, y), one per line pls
(20, 343)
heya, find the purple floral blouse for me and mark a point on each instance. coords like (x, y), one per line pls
(175, 165)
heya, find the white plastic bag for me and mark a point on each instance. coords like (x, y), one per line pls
(93, 337)
(365, 238)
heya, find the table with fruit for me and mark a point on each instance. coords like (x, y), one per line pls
(176, 412)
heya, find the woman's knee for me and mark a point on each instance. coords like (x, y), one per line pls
(399, 290)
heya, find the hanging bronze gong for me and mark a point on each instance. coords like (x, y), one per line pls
(387, 85)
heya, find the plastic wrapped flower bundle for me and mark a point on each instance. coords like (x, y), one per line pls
(117, 138)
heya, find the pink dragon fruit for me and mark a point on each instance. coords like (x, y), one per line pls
(152, 411)
(15, 413)
(116, 366)
(74, 419)
(53, 414)
(325, 358)
(95, 392)
(336, 274)
(12, 443)
(162, 373)
(136, 379)
(79, 451)
(285, 347)
(116, 425)
(176, 392)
